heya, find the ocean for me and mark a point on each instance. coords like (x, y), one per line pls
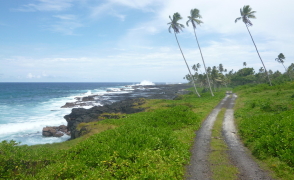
(25, 108)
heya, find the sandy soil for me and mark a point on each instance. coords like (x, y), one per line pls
(199, 169)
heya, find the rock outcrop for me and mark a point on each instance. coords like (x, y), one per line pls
(80, 115)
(55, 131)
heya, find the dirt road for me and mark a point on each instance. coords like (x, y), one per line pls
(199, 168)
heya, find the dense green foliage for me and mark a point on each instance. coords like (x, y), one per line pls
(265, 117)
(148, 145)
(220, 77)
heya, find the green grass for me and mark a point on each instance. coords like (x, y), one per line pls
(221, 167)
(149, 145)
(265, 118)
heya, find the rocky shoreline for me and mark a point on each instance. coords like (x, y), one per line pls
(112, 102)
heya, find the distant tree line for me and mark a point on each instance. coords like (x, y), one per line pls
(220, 77)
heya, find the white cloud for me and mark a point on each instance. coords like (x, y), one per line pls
(66, 17)
(37, 76)
(144, 5)
(67, 24)
(47, 5)
(30, 76)
(106, 8)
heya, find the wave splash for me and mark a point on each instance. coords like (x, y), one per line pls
(146, 82)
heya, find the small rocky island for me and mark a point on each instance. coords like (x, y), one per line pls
(123, 103)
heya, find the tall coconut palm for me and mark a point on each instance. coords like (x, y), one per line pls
(194, 19)
(246, 15)
(177, 27)
(280, 59)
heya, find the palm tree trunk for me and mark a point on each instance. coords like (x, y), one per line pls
(287, 72)
(203, 63)
(259, 56)
(187, 66)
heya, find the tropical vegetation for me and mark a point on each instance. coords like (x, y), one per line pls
(219, 77)
(247, 14)
(177, 27)
(265, 117)
(280, 59)
(195, 19)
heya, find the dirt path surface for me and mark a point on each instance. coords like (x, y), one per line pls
(199, 165)
(199, 169)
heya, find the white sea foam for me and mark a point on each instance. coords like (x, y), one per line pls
(89, 92)
(113, 90)
(25, 125)
(31, 125)
(128, 89)
(146, 82)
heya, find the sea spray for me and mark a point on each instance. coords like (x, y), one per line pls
(25, 108)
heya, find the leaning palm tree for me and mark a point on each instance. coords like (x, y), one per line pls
(177, 27)
(246, 15)
(194, 19)
(280, 59)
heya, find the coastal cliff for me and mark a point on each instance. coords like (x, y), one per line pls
(81, 115)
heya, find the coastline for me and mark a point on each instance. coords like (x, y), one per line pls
(119, 103)
(166, 91)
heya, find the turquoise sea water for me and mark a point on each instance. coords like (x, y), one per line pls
(25, 108)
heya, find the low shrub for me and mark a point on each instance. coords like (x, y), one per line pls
(266, 124)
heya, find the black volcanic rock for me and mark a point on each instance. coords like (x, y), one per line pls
(88, 98)
(80, 115)
(55, 131)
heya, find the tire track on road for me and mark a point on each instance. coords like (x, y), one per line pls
(199, 167)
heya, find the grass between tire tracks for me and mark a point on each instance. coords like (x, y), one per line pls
(220, 164)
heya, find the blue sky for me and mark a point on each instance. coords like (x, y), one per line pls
(128, 40)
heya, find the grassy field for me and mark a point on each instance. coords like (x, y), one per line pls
(150, 145)
(265, 118)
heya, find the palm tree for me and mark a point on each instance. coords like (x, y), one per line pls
(280, 59)
(197, 67)
(177, 27)
(194, 19)
(246, 15)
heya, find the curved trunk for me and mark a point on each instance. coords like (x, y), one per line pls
(259, 56)
(187, 66)
(203, 63)
(287, 72)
